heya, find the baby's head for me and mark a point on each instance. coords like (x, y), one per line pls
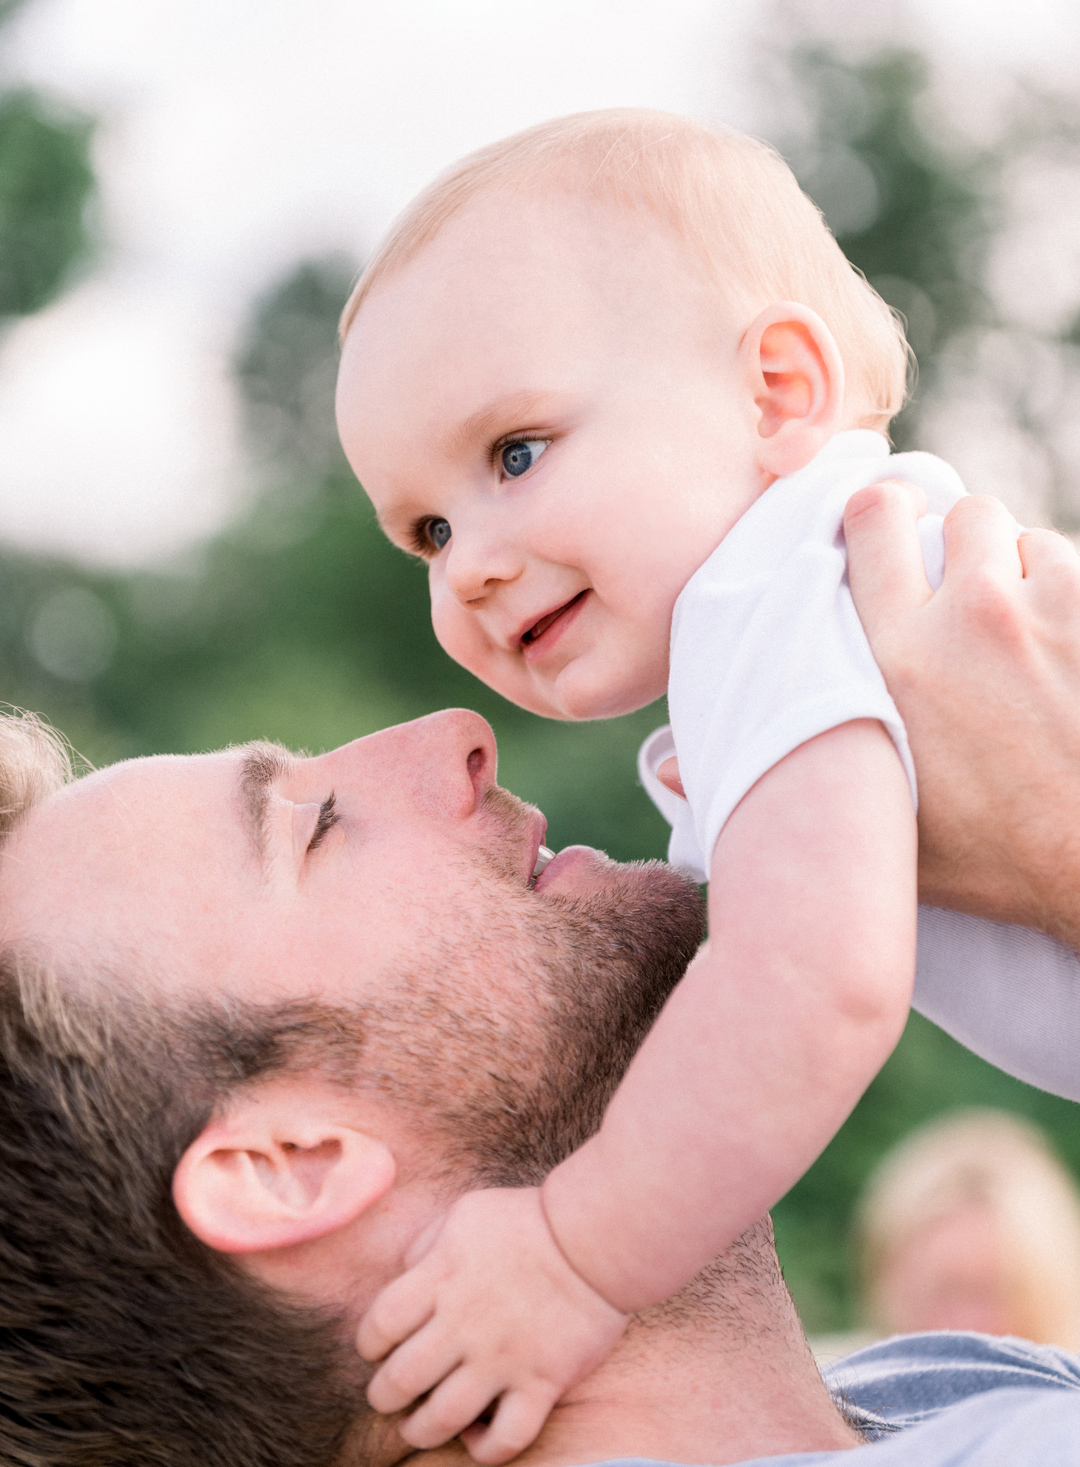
(576, 361)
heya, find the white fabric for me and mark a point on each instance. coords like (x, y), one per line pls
(767, 651)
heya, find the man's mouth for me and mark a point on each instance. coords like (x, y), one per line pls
(547, 621)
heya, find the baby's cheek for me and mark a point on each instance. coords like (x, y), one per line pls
(623, 674)
(460, 634)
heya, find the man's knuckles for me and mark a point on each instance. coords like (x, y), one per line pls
(993, 610)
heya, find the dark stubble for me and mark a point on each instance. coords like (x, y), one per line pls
(510, 1025)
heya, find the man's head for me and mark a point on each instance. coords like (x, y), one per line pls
(261, 1018)
(577, 360)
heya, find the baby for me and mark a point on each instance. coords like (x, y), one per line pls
(615, 382)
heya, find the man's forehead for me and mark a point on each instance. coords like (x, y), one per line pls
(148, 850)
(140, 802)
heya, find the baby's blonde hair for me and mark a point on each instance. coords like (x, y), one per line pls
(731, 198)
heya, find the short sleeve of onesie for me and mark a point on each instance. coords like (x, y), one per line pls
(767, 651)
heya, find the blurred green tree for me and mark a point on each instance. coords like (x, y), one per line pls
(910, 206)
(46, 182)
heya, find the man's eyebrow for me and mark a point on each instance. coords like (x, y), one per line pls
(262, 765)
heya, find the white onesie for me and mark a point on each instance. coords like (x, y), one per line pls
(767, 651)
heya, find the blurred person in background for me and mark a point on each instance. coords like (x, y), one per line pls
(972, 1223)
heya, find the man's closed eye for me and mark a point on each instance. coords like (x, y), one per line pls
(328, 818)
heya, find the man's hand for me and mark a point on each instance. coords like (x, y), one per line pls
(491, 1315)
(986, 675)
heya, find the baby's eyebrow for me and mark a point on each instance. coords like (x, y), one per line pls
(262, 765)
(506, 412)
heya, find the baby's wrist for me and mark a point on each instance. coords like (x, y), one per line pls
(574, 1235)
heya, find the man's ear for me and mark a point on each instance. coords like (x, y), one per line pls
(278, 1170)
(797, 380)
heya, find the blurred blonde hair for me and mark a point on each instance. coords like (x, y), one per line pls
(730, 198)
(35, 762)
(1004, 1164)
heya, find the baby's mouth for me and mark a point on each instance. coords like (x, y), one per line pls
(538, 628)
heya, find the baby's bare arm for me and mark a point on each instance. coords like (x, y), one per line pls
(773, 1034)
(986, 674)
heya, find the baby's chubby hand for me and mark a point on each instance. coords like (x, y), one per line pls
(491, 1314)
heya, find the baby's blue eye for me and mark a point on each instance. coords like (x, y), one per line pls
(521, 455)
(438, 532)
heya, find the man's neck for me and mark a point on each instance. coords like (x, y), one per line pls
(721, 1376)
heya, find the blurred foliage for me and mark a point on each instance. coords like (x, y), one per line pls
(45, 183)
(301, 623)
(915, 213)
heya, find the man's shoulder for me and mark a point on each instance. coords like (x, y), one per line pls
(951, 1400)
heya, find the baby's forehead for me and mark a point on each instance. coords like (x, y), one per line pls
(580, 249)
(484, 306)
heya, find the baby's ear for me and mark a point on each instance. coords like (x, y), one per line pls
(796, 377)
(278, 1170)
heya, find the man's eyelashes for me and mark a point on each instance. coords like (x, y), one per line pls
(328, 818)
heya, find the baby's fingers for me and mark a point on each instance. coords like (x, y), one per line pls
(415, 1368)
(450, 1409)
(399, 1311)
(518, 1421)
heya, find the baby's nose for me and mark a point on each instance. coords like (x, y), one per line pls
(477, 565)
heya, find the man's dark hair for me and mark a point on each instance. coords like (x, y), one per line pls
(123, 1339)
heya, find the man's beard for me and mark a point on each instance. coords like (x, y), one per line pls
(505, 1035)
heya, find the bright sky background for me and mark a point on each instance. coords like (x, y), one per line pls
(236, 136)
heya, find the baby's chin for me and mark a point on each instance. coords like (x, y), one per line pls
(579, 694)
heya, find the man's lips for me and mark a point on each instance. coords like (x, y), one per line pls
(577, 870)
(542, 627)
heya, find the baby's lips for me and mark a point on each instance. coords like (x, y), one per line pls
(668, 775)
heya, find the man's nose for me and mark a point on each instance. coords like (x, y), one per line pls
(444, 763)
(478, 561)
